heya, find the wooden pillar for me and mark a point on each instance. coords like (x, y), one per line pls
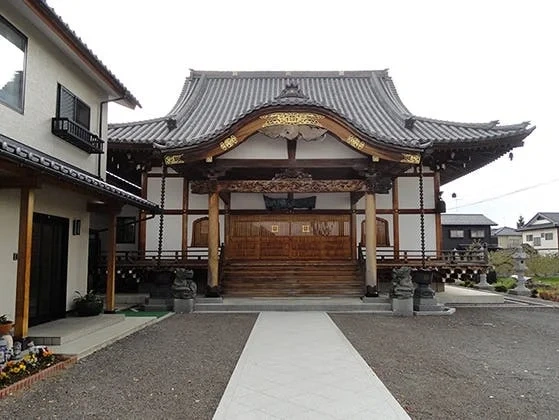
(27, 204)
(184, 241)
(111, 264)
(438, 217)
(213, 243)
(396, 219)
(371, 240)
(142, 224)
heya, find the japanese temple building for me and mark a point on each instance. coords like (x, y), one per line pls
(297, 183)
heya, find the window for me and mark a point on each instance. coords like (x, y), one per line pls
(71, 107)
(125, 230)
(529, 238)
(13, 45)
(477, 233)
(383, 237)
(456, 233)
(549, 236)
(537, 241)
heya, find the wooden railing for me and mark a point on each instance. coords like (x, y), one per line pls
(387, 256)
(192, 256)
(79, 136)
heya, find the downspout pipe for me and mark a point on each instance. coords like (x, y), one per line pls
(101, 130)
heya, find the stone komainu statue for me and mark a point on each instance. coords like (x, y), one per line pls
(402, 285)
(183, 286)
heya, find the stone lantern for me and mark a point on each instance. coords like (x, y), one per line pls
(519, 258)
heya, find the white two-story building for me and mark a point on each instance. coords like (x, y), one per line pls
(542, 232)
(53, 122)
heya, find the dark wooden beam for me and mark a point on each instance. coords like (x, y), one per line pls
(19, 182)
(27, 205)
(111, 265)
(106, 208)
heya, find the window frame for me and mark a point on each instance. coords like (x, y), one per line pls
(125, 230)
(529, 238)
(548, 236)
(537, 241)
(476, 235)
(76, 101)
(452, 234)
(21, 109)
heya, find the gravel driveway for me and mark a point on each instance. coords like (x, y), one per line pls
(176, 369)
(477, 364)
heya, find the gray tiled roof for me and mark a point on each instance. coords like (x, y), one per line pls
(505, 231)
(466, 219)
(32, 158)
(90, 55)
(212, 102)
(553, 221)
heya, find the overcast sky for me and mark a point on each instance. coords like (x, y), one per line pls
(475, 61)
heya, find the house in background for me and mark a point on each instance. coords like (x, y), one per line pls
(53, 119)
(542, 232)
(507, 237)
(461, 230)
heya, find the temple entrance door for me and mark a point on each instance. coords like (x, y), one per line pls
(289, 237)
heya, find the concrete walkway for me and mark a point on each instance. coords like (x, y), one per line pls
(299, 365)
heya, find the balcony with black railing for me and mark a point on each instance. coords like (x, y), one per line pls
(77, 135)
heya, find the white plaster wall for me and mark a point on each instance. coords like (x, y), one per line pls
(408, 193)
(173, 193)
(328, 148)
(329, 201)
(172, 233)
(383, 201)
(258, 146)
(410, 238)
(46, 67)
(62, 203)
(547, 246)
(9, 221)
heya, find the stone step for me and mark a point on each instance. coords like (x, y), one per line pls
(68, 329)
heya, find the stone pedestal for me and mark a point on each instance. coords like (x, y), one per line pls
(423, 295)
(519, 257)
(402, 307)
(183, 306)
(483, 282)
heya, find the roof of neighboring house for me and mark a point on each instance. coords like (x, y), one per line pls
(550, 219)
(85, 53)
(467, 219)
(212, 102)
(32, 158)
(505, 231)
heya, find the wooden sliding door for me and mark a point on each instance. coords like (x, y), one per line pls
(289, 236)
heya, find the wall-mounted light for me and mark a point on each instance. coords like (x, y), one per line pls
(76, 227)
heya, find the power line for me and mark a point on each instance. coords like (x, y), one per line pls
(506, 194)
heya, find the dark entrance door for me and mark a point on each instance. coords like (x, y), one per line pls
(49, 263)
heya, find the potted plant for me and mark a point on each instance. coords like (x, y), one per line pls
(5, 325)
(89, 304)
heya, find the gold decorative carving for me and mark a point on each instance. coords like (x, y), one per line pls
(209, 159)
(228, 143)
(282, 186)
(291, 118)
(173, 159)
(306, 228)
(275, 228)
(355, 142)
(410, 158)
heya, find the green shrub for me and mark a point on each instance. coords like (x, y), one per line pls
(502, 262)
(543, 265)
(500, 288)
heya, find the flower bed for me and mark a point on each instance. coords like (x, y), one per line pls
(19, 374)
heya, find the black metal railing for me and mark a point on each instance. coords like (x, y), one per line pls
(79, 136)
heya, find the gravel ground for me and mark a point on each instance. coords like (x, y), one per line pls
(476, 364)
(175, 369)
